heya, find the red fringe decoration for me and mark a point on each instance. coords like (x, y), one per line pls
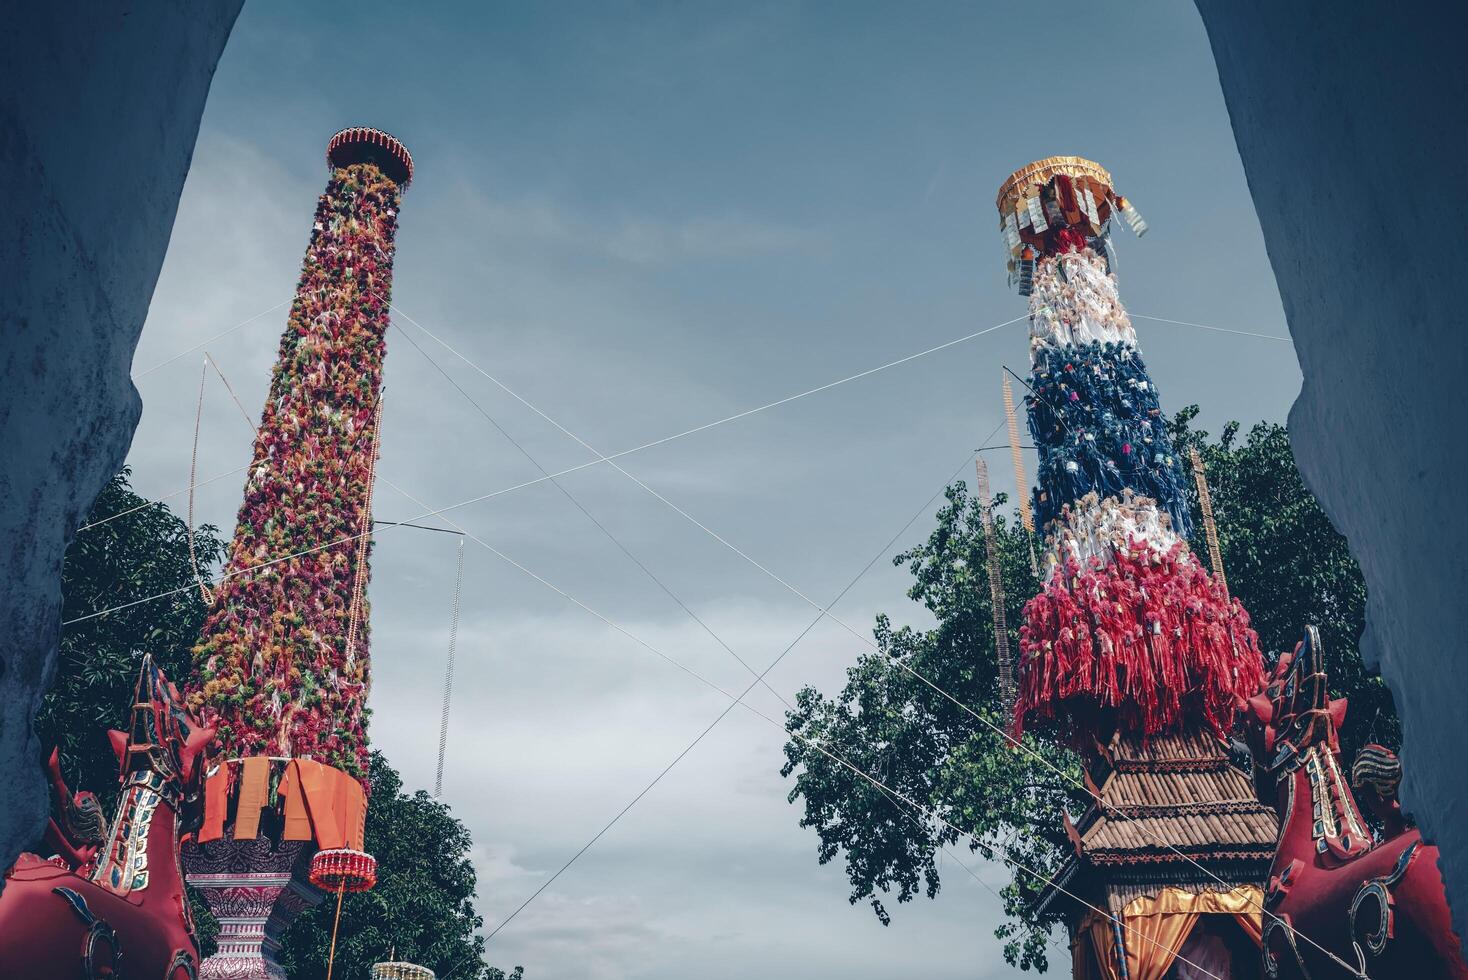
(343, 868)
(1140, 644)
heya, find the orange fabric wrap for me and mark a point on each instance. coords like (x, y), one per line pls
(1103, 940)
(1245, 903)
(297, 819)
(320, 791)
(351, 810)
(1081, 959)
(216, 805)
(1153, 941)
(1155, 927)
(337, 805)
(254, 789)
(320, 803)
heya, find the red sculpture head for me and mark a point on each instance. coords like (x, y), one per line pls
(1294, 710)
(163, 738)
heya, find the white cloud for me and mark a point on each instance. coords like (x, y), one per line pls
(603, 937)
(495, 865)
(531, 228)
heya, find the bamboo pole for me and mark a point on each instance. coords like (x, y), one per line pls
(1210, 527)
(341, 891)
(996, 590)
(1026, 518)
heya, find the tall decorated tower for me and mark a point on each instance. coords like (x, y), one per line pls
(1132, 652)
(281, 670)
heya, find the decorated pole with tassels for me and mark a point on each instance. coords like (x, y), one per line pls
(281, 670)
(1004, 662)
(1016, 456)
(1129, 632)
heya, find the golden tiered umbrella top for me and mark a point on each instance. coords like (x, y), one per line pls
(1026, 181)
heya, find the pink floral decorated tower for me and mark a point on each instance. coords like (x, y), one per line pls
(282, 670)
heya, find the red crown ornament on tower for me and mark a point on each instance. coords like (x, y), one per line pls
(363, 144)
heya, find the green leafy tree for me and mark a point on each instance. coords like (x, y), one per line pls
(1289, 566)
(422, 909)
(1284, 561)
(142, 553)
(423, 903)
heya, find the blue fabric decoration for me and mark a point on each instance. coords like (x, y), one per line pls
(1096, 422)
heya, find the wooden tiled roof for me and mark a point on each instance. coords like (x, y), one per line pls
(1174, 810)
(1175, 791)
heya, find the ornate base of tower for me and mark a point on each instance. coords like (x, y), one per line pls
(1178, 841)
(255, 888)
(257, 858)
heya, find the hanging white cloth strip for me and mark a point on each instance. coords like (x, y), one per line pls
(1011, 232)
(1037, 216)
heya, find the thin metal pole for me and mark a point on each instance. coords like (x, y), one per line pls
(448, 677)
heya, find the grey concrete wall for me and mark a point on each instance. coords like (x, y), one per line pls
(1350, 118)
(99, 112)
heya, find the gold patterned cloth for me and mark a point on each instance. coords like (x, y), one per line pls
(1018, 185)
(1155, 927)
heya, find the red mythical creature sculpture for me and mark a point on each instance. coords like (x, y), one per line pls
(1376, 905)
(77, 828)
(117, 911)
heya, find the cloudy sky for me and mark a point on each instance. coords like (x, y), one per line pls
(642, 218)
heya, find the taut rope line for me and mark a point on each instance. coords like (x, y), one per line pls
(1141, 825)
(204, 592)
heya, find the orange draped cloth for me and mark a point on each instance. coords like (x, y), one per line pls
(1154, 928)
(333, 803)
(254, 791)
(319, 803)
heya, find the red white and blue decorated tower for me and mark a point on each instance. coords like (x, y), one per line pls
(1129, 632)
(1131, 652)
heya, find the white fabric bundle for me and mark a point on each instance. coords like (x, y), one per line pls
(1093, 528)
(1075, 302)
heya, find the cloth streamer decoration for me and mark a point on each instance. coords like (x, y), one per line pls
(1129, 631)
(307, 800)
(343, 870)
(282, 666)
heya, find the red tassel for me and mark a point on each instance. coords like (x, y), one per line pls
(1142, 644)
